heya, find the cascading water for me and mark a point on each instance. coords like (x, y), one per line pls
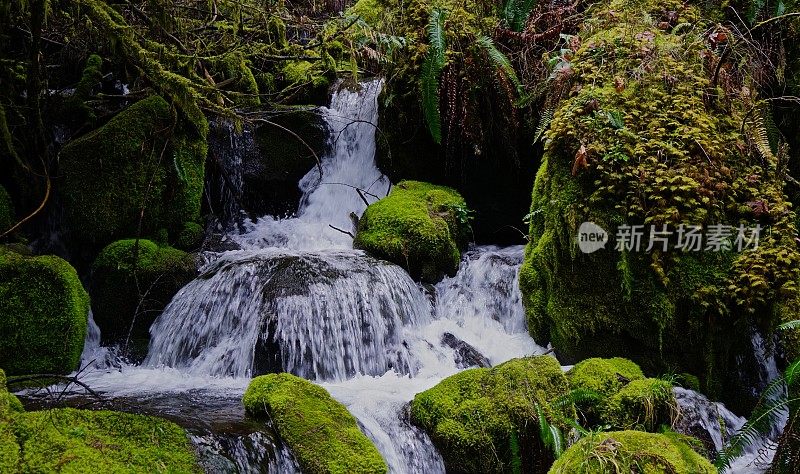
(296, 297)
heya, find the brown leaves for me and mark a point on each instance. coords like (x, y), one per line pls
(619, 84)
(580, 160)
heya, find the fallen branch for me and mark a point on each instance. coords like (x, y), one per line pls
(28, 378)
(341, 230)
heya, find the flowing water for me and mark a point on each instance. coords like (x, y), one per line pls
(296, 297)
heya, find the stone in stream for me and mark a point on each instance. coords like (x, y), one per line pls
(465, 355)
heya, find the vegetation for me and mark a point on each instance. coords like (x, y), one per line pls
(323, 436)
(43, 309)
(477, 417)
(419, 226)
(631, 451)
(132, 281)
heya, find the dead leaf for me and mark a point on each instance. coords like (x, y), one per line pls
(580, 160)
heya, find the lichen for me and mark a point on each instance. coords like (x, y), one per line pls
(43, 310)
(473, 416)
(132, 281)
(632, 451)
(323, 436)
(141, 158)
(419, 226)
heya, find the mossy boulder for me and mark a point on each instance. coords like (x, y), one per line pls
(419, 226)
(132, 281)
(644, 404)
(191, 237)
(9, 449)
(478, 418)
(602, 379)
(632, 451)
(43, 314)
(143, 157)
(6, 210)
(321, 433)
(70, 440)
(631, 146)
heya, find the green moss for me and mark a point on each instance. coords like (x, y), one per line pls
(9, 448)
(127, 271)
(6, 210)
(43, 310)
(419, 226)
(323, 436)
(139, 158)
(76, 109)
(473, 416)
(605, 376)
(642, 404)
(630, 145)
(235, 69)
(191, 237)
(70, 440)
(631, 451)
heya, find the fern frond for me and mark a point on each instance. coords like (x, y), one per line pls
(431, 69)
(544, 123)
(760, 135)
(516, 12)
(500, 61)
(794, 324)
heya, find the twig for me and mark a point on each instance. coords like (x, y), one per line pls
(26, 378)
(341, 230)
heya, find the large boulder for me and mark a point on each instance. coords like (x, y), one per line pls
(144, 157)
(321, 433)
(632, 451)
(43, 314)
(132, 281)
(638, 141)
(419, 226)
(485, 420)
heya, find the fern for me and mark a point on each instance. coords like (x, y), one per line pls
(760, 132)
(516, 12)
(789, 325)
(774, 401)
(500, 61)
(431, 69)
(516, 459)
(544, 124)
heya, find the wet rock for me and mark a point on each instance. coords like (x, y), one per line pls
(466, 355)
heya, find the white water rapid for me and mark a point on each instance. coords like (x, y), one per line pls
(296, 297)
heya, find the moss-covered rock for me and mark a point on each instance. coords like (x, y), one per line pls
(9, 448)
(6, 210)
(478, 418)
(644, 404)
(419, 226)
(191, 236)
(144, 156)
(43, 313)
(604, 376)
(630, 145)
(70, 440)
(323, 436)
(632, 451)
(132, 281)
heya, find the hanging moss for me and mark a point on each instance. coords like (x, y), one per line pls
(76, 109)
(474, 416)
(6, 210)
(632, 451)
(637, 142)
(323, 436)
(43, 310)
(138, 159)
(419, 226)
(235, 68)
(132, 282)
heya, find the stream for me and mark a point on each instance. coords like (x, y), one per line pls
(292, 295)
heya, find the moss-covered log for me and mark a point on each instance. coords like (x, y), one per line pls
(645, 136)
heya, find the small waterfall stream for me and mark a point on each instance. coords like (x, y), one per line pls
(296, 297)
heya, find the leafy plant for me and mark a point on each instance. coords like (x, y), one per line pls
(431, 70)
(500, 60)
(516, 12)
(773, 402)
